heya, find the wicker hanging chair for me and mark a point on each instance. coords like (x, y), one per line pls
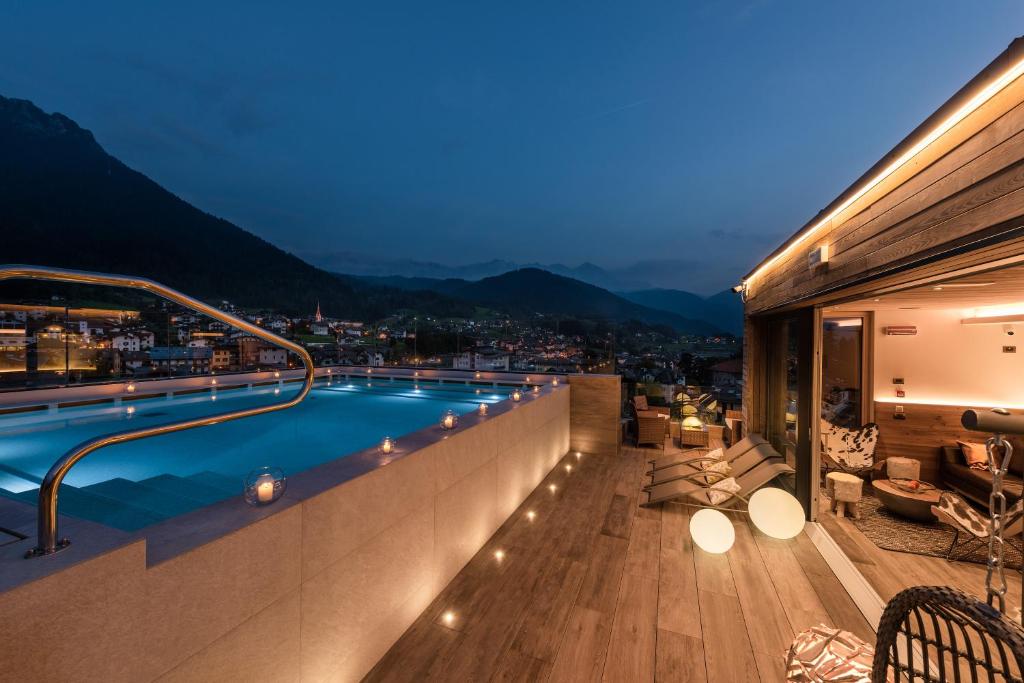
(937, 633)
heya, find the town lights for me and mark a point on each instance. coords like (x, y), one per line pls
(265, 485)
(449, 420)
(387, 446)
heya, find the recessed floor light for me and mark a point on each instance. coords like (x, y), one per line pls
(531, 515)
(448, 618)
(568, 468)
(552, 488)
(499, 555)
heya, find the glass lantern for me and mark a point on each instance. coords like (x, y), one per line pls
(449, 420)
(387, 446)
(482, 409)
(265, 485)
(516, 396)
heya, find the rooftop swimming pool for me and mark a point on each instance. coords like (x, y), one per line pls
(133, 485)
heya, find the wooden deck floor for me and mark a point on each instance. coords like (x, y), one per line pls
(593, 588)
(889, 572)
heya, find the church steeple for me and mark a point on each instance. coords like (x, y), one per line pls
(317, 317)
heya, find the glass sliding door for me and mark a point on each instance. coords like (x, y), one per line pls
(842, 372)
(788, 396)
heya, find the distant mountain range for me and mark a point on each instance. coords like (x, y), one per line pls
(533, 290)
(639, 276)
(723, 311)
(65, 202)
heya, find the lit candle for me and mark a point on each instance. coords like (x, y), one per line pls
(517, 395)
(265, 488)
(483, 408)
(536, 389)
(387, 445)
(554, 382)
(449, 421)
(130, 388)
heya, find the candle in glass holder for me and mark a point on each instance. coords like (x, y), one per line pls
(387, 446)
(483, 408)
(517, 395)
(265, 488)
(449, 420)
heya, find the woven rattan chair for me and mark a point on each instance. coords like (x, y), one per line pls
(937, 633)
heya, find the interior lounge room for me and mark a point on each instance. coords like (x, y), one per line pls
(898, 372)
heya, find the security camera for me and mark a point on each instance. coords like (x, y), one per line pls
(1008, 330)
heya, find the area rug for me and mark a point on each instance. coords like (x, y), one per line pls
(890, 531)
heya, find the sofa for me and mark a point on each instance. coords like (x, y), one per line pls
(976, 485)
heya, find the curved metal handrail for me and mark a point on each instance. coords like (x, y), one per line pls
(47, 542)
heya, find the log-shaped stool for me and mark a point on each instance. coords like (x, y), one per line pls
(846, 493)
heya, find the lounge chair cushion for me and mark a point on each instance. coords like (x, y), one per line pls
(722, 491)
(715, 454)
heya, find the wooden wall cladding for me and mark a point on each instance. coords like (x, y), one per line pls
(595, 413)
(964, 183)
(925, 429)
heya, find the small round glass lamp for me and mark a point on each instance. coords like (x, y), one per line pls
(449, 420)
(536, 388)
(265, 485)
(776, 513)
(387, 446)
(130, 387)
(516, 396)
(692, 422)
(712, 531)
(482, 410)
(554, 382)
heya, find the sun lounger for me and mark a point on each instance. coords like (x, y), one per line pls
(699, 493)
(730, 454)
(738, 466)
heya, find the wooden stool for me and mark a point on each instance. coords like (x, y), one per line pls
(903, 468)
(845, 491)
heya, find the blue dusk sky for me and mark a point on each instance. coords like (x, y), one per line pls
(693, 136)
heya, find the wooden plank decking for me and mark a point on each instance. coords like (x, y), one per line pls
(595, 588)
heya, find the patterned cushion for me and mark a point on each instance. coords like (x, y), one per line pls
(718, 467)
(723, 490)
(640, 402)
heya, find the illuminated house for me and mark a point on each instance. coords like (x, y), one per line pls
(899, 304)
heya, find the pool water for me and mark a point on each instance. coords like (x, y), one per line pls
(132, 485)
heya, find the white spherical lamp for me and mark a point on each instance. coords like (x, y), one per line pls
(776, 513)
(712, 531)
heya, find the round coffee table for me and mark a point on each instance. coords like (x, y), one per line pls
(905, 503)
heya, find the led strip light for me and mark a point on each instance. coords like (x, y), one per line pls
(956, 117)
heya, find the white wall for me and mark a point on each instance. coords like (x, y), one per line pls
(947, 363)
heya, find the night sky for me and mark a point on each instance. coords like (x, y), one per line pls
(695, 135)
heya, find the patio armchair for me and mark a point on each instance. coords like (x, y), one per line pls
(973, 529)
(651, 428)
(848, 450)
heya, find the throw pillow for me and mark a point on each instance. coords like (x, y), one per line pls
(723, 490)
(975, 454)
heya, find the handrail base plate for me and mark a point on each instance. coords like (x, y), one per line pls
(42, 552)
